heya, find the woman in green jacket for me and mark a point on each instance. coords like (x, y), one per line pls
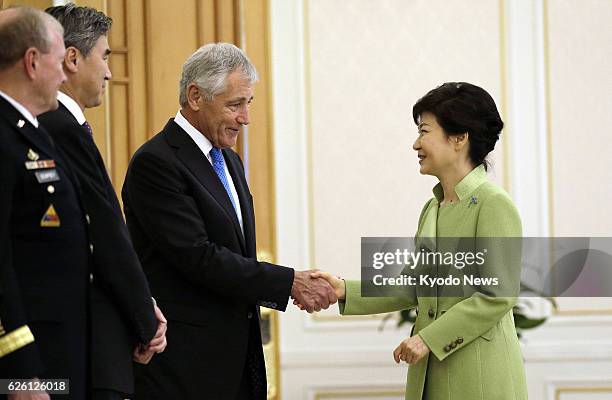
(462, 348)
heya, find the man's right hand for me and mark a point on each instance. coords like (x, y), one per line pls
(314, 294)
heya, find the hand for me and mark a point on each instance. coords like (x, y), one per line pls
(313, 294)
(29, 395)
(336, 283)
(411, 350)
(143, 353)
(159, 342)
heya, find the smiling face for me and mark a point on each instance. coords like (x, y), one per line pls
(221, 118)
(93, 72)
(436, 150)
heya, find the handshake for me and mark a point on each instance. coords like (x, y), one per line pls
(316, 290)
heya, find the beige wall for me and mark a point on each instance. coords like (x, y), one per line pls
(580, 71)
(370, 61)
(580, 81)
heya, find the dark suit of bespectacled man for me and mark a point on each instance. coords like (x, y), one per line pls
(124, 320)
(44, 245)
(190, 213)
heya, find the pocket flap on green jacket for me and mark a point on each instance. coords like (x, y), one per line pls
(488, 335)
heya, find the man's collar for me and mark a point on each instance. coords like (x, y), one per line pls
(72, 106)
(466, 186)
(197, 136)
(19, 107)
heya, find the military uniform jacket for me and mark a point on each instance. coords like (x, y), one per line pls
(45, 255)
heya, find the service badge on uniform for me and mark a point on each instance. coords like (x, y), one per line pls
(50, 219)
(32, 155)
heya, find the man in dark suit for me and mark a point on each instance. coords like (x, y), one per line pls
(44, 246)
(190, 213)
(123, 317)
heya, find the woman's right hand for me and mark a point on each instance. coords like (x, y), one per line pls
(336, 283)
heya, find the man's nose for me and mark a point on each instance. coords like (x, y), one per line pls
(243, 116)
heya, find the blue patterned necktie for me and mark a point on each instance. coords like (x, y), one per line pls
(88, 127)
(218, 164)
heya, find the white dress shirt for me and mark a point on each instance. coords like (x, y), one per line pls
(205, 146)
(24, 111)
(72, 106)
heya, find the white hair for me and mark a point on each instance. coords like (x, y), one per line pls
(209, 67)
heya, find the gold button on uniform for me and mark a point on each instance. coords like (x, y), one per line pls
(459, 340)
(431, 313)
(447, 348)
(51, 189)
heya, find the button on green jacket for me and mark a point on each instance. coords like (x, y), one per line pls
(475, 353)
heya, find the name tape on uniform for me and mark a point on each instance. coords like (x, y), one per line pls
(50, 175)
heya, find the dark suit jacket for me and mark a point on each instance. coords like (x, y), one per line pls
(45, 269)
(202, 270)
(122, 309)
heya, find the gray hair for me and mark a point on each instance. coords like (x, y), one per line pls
(83, 26)
(26, 28)
(209, 67)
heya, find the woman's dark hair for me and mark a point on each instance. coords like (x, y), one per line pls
(461, 107)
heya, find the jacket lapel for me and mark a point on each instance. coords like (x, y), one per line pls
(426, 239)
(39, 139)
(244, 195)
(429, 227)
(191, 155)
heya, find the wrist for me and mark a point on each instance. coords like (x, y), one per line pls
(297, 277)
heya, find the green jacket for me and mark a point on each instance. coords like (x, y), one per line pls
(475, 353)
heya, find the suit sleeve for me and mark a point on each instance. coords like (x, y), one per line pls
(116, 265)
(19, 357)
(157, 195)
(498, 230)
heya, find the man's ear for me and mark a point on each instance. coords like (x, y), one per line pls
(71, 59)
(30, 62)
(194, 97)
